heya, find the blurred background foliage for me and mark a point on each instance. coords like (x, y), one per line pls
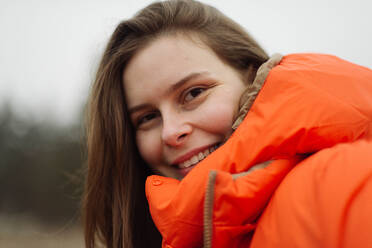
(40, 172)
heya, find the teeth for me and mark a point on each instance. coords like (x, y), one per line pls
(200, 156)
(197, 158)
(206, 153)
(194, 160)
(186, 163)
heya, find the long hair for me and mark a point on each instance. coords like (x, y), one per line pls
(114, 206)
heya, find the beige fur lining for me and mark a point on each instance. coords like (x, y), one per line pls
(253, 168)
(251, 92)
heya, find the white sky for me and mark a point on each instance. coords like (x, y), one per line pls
(49, 49)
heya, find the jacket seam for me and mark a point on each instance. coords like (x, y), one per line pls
(208, 210)
(209, 201)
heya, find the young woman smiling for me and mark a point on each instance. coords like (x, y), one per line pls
(184, 109)
(173, 84)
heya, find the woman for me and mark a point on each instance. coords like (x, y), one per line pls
(165, 97)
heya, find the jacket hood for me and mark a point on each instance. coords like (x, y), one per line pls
(307, 103)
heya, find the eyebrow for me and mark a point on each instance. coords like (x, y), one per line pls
(174, 87)
(186, 79)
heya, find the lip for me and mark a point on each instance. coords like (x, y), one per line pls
(185, 171)
(191, 153)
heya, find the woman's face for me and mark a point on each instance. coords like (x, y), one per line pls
(182, 100)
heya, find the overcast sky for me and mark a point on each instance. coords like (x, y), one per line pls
(49, 49)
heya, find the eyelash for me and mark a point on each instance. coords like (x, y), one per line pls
(201, 90)
(141, 120)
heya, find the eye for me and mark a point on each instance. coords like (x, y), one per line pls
(193, 93)
(146, 118)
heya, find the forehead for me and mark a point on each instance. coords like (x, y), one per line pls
(167, 51)
(165, 61)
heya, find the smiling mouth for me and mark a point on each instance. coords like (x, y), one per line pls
(198, 157)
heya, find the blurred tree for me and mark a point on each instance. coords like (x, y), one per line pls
(40, 166)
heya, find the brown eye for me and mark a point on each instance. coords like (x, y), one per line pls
(193, 93)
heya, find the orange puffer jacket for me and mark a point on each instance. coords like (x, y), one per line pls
(297, 172)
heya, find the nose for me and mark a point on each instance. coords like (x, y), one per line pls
(175, 130)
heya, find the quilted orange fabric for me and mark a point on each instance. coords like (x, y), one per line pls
(313, 120)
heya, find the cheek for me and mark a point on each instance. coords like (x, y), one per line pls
(220, 112)
(149, 147)
(219, 118)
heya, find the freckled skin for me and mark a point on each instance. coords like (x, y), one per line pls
(176, 121)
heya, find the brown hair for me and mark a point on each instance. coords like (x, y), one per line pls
(114, 206)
